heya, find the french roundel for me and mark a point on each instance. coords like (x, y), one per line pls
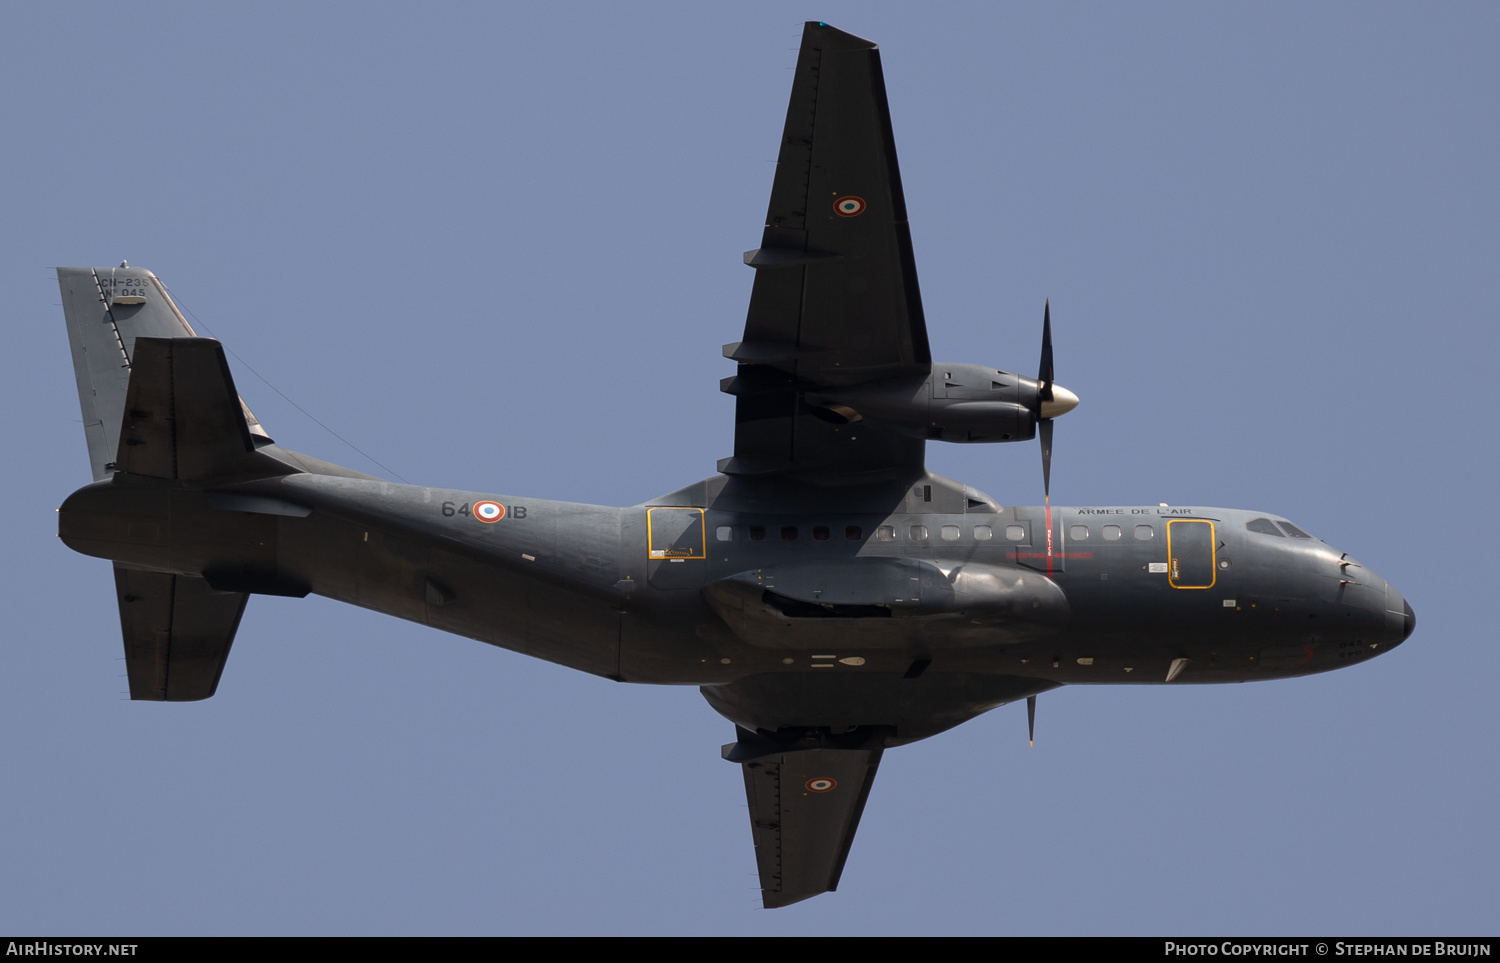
(489, 511)
(820, 784)
(849, 206)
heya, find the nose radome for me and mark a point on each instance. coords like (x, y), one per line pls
(1400, 620)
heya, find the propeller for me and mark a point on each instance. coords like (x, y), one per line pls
(1052, 400)
(1045, 395)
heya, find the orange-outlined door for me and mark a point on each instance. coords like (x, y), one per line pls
(1191, 552)
(675, 547)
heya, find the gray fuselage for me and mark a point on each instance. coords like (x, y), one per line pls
(914, 607)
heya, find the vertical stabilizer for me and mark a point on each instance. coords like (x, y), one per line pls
(107, 309)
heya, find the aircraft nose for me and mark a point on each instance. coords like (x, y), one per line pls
(1400, 620)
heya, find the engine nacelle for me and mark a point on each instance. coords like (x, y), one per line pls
(956, 402)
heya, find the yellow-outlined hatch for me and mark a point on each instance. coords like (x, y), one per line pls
(1192, 559)
(675, 533)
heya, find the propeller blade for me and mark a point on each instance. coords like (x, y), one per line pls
(1045, 398)
(1044, 372)
(1044, 430)
(1031, 718)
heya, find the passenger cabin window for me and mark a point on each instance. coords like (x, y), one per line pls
(1294, 531)
(854, 533)
(886, 533)
(724, 533)
(1079, 533)
(1264, 526)
(1111, 533)
(789, 533)
(949, 533)
(1015, 533)
(757, 533)
(983, 533)
(1145, 533)
(919, 533)
(820, 533)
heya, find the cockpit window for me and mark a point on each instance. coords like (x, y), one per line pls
(1294, 531)
(1264, 526)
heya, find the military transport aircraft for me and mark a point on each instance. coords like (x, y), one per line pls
(831, 596)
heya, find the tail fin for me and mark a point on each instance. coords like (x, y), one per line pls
(107, 309)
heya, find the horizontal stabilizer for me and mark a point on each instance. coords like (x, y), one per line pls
(183, 419)
(805, 806)
(177, 634)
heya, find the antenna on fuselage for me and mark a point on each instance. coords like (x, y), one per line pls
(1031, 718)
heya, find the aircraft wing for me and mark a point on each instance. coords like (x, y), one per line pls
(835, 300)
(805, 806)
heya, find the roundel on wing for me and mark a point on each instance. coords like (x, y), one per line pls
(489, 511)
(820, 784)
(849, 206)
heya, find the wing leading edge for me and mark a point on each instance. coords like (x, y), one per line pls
(835, 300)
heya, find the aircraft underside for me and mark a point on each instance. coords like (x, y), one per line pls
(831, 596)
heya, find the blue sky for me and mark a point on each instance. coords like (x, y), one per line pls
(498, 248)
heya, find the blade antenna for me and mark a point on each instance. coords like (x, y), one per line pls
(1031, 719)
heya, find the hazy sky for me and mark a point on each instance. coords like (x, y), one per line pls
(498, 248)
